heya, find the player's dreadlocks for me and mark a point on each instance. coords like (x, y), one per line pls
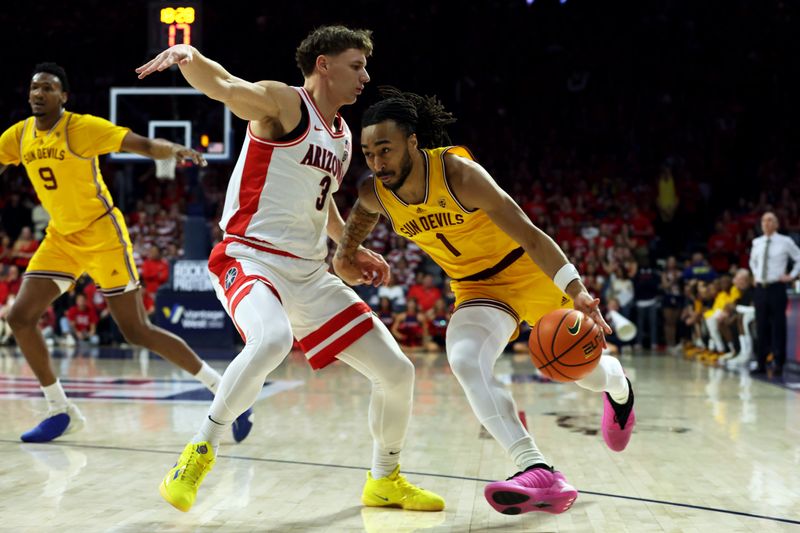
(423, 115)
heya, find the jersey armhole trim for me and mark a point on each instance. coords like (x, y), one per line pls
(447, 183)
(380, 201)
(269, 142)
(69, 148)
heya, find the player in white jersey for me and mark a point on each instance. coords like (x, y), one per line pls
(269, 272)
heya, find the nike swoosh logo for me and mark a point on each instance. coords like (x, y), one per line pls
(316, 128)
(381, 497)
(576, 326)
(393, 453)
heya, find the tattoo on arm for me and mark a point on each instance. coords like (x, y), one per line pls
(359, 224)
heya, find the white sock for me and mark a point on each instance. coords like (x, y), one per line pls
(608, 377)
(211, 431)
(384, 461)
(525, 454)
(209, 377)
(55, 396)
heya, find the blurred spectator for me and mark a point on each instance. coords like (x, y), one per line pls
(646, 281)
(621, 289)
(394, 292)
(721, 246)
(24, 248)
(154, 272)
(425, 293)
(672, 301)
(409, 326)
(385, 312)
(699, 269)
(40, 219)
(11, 282)
(6, 249)
(437, 317)
(81, 322)
(667, 200)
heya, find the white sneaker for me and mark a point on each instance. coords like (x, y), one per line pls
(725, 357)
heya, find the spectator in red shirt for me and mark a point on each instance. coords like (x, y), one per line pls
(155, 271)
(82, 320)
(5, 250)
(720, 247)
(641, 226)
(426, 293)
(12, 281)
(24, 248)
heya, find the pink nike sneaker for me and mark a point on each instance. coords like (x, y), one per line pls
(618, 421)
(539, 488)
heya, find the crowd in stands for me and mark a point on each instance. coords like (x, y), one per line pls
(644, 155)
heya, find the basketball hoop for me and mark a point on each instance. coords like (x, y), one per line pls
(165, 168)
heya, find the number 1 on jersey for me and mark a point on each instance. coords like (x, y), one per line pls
(448, 245)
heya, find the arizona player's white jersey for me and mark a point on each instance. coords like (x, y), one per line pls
(279, 192)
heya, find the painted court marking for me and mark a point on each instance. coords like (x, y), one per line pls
(140, 390)
(445, 476)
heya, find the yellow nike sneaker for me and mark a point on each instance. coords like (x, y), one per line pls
(394, 490)
(180, 485)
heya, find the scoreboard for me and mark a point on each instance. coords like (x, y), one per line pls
(171, 23)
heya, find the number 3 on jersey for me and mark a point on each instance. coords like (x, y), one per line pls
(49, 179)
(326, 185)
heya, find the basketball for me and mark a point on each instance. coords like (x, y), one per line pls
(566, 345)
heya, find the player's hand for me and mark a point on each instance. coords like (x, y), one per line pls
(180, 54)
(591, 307)
(365, 267)
(182, 153)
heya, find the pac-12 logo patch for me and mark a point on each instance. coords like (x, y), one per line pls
(230, 277)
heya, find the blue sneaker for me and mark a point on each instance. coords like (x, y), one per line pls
(55, 425)
(242, 425)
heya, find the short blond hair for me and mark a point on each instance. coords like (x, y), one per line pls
(330, 40)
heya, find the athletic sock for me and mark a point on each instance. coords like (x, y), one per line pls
(525, 454)
(383, 461)
(55, 396)
(211, 431)
(208, 377)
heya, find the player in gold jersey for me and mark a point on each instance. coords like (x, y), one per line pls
(86, 233)
(504, 269)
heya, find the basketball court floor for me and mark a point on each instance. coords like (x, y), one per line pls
(713, 451)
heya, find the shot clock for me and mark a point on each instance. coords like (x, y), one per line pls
(172, 23)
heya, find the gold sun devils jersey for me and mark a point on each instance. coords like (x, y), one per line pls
(62, 166)
(465, 243)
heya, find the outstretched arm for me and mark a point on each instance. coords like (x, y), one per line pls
(160, 149)
(475, 188)
(348, 262)
(261, 101)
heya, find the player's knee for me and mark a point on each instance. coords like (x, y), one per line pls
(21, 318)
(400, 372)
(465, 364)
(270, 344)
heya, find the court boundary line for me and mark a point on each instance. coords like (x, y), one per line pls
(445, 476)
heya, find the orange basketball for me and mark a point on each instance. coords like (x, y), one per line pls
(566, 345)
